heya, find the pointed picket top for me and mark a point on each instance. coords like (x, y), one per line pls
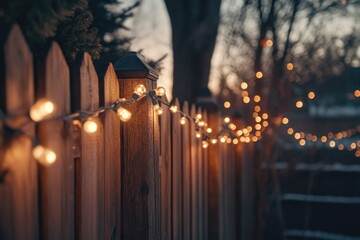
(89, 84)
(18, 72)
(133, 65)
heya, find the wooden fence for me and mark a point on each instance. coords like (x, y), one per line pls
(148, 178)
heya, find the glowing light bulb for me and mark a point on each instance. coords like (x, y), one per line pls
(244, 85)
(222, 139)
(209, 130)
(269, 43)
(214, 141)
(257, 108)
(245, 94)
(254, 138)
(302, 142)
(297, 135)
(182, 120)
(205, 144)
(290, 131)
(198, 116)
(265, 123)
(90, 126)
(41, 109)
(259, 75)
(173, 109)
(353, 146)
(332, 143)
(232, 126)
(228, 141)
(235, 141)
(227, 104)
(227, 119)
(299, 104)
(160, 91)
(158, 110)
(289, 66)
(123, 114)
(341, 147)
(323, 139)
(285, 120)
(239, 133)
(246, 99)
(265, 116)
(357, 93)
(43, 155)
(140, 90)
(311, 95)
(257, 98)
(258, 126)
(198, 134)
(258, 119)
(201, 124)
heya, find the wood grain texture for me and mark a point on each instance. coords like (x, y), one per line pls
(112, 159)
(57, 180)
(139, 207)
(177, 178)
(19, 189)
(204, 171)
(214, 186)
(90, 167)
(186, 166)
(166, 169)
(200, 183)
(195, 144)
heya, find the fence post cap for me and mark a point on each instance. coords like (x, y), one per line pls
(133, 65)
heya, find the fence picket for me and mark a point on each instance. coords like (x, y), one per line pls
(18, 169)
(90, 166)
(165, 165)
(185, 136)
(112, 159)
(57, 180)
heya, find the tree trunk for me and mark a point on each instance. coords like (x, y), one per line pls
(194, 30)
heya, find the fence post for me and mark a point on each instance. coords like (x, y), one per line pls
(214, 166)
(140, 142)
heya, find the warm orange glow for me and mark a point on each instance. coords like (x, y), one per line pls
(357, 93)
(245, 94)
(90, 126)
(299, 104)
(265, 123)
(323, 139)
(353, 146)
(285, 120)
(222, 139)
(290, 131)
(258, 119)
(257, 126)
(258, 133)
(257, 108)
(302, 142)
(357, 153)
(235, 141)
(314, 138)
(232, 126)
(246, 99)
(254, 138)
(209, 130)
(332, 143)
(259, 75)
(239, 133)
(249, 128)
(269, 43)
(244, 85)
(297, 135)
(214, 141)
(341, 147)
(123, 114)
(198, 116)
(265, 116)
(227, 104)
(227, 119)
(289, 66)
(257, 98)
(41, 109)
(205, 144)
(255, 114)
(182, 120)
(330, 135)
(311, 95)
